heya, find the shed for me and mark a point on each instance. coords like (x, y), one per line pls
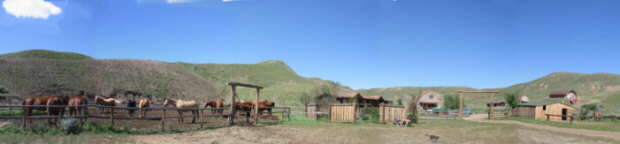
(568, 94)
(538, 110)
(430, 100)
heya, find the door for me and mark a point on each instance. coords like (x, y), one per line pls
(564, 113)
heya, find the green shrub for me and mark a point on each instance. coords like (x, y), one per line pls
(371, 114)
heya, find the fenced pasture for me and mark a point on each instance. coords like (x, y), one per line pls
(157, 118)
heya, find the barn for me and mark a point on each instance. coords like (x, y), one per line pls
(569, 94)
(538, 110)
(430, 100)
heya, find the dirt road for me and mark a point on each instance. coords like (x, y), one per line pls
(584, 132)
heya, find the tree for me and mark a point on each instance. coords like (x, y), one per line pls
(511, 99)
(306, 98)
(399, 101)
(451, 101)
(592, 107)
(413, 107)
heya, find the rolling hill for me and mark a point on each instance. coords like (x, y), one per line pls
(39, 73)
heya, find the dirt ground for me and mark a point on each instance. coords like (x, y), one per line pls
(449, 132)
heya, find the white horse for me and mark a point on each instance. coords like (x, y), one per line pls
(183, 104)
(106, 101)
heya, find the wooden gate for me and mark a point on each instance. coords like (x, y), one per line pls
(342, 112)
(311, 111)
(389, 113)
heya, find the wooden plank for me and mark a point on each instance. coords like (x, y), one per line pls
(460, 106)
(163, 117)
(231, 118)
(256, 106)
(244, 85)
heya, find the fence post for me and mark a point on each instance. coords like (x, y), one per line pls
(112, 117)
(382, 113)
(163, 117)
(329, 114)
(571, 119)
(547, 117)
(354, 112)
(24, 116)
(202, 121)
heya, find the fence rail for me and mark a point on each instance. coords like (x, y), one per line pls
(285, 112)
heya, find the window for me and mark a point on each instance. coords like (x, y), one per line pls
(430, 96)
(544, 108)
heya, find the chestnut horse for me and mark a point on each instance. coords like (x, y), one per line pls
(216, 104)
(183, 104)
(143, 103)
(35, 101)
(56, 111)
(244, 106)
(74, 106)
(265, 105)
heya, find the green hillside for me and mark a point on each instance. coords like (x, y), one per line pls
(45, 54)
(32, 76)
(600, 87)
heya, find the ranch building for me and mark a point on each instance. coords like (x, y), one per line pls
(538, 110)
(362, 101)
(429, 100)
(569, 94)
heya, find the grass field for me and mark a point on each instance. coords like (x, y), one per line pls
(599, 126)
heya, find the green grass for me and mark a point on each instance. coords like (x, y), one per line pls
(17, 112)
(602, 126)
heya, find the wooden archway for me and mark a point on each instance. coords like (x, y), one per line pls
(234, 85)
(491, 100)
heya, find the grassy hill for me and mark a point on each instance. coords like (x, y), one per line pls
(45, 54)
(600, 87)
(33, 73)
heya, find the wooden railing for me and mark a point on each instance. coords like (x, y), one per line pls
(285, 111)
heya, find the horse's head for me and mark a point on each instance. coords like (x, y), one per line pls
(168, 101)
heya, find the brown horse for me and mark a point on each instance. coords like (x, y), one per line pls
(56, 111)
(103, 101)
(74, 106)
(143, 103)
(265, 105)
(183, 104)
(216, 104)
(244, 106)
(34, 101)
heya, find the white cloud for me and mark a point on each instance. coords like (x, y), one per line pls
(30, 8)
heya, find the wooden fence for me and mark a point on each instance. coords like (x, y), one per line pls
(390, 113)
(112, 116)
(342, 112)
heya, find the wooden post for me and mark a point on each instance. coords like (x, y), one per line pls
(112, 117)
(382, 113)
(460, 106)
(163, 118)
(256, 106)
(231, 118)
(329, 112)
(547, 117)
(26, 108)
(202, 121)
(571, 119)
(354, 111)
(306, 109)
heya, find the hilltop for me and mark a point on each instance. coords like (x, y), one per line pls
(45, 54)
(39, 73)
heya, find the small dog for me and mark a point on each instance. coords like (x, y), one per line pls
(433, 138)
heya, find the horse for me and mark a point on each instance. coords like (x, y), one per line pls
(143, 103)
(35, 101)
(183, 104)
(265, 105)
(131, 104)
(102, 101)
(57, 111)
(244, 106)
(216, 104)
(74, 106)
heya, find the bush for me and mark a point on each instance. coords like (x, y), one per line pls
(69, 126)
(371, 114)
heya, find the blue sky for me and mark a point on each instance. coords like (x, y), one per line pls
(359, 43)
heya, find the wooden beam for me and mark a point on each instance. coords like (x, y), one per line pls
(245, 85)
(231, 118)
(460, 106)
